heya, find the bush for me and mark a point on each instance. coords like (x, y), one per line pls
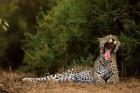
(67, 34)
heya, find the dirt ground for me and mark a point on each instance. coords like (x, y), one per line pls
(123, 87)
(11, 83)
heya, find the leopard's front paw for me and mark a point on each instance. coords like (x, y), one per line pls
(101, 82)
(110, 81)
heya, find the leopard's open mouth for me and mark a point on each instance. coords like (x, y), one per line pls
(108, 48)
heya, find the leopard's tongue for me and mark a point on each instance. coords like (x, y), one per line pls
(107, 55)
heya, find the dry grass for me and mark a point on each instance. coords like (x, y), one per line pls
(11, 83)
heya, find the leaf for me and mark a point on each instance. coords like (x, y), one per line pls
(5, 28)
(6, 23)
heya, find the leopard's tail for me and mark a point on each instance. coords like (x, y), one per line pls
(55, 77)
(35, 79)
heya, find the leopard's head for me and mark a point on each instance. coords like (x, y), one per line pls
(108, 45)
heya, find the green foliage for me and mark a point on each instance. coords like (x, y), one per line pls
(62, 37)
(67, 33)
(21, 16)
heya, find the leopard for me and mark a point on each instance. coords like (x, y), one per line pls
(105, 69)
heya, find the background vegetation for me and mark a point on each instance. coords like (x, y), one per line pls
(49, 35)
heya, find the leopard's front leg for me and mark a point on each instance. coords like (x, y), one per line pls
(98, 78)
(113, 79)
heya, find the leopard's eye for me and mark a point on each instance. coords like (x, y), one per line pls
(115, 42)
(110, 40)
